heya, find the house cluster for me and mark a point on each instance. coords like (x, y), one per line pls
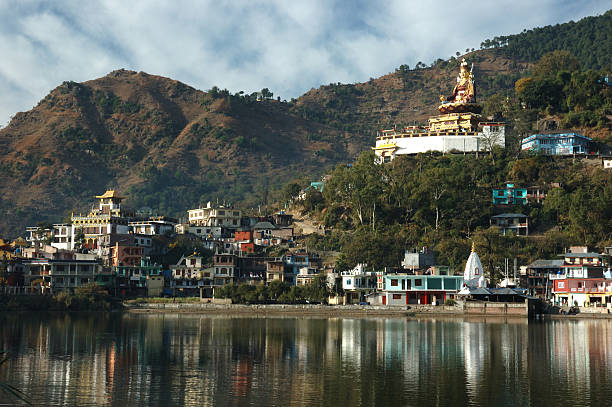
(417, 281)
(115, 247)
(579, 277)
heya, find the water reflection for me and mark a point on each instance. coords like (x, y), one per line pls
(178, 359)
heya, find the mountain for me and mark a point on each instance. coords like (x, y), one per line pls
(411, 94)
(168, 146)
(405, 95)
(164, 144)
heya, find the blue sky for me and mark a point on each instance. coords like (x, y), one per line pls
(288, 46)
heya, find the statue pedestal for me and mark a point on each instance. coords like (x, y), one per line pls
(454, 122)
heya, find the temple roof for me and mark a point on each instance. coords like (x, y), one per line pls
(110, 193)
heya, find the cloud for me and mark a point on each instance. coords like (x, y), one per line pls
(287, 46)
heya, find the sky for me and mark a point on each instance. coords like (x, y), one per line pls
(288, 46)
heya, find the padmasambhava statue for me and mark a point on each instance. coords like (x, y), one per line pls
(463, 98)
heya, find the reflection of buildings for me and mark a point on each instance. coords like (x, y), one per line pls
(174, 359)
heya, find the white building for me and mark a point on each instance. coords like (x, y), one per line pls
(390, 144)
(62, 236)
(358, 282)
(473, 274)
(214, 216)
(157, 225)
(206, 232)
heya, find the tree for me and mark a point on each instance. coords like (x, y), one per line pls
(555, 61)
(291, 191)
(266, 94)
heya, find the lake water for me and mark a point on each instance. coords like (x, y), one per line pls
(196, 360)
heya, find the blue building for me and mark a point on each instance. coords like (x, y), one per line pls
(404, 289)
(558, 144)
(510, 195)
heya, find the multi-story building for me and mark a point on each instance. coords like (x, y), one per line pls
(295, 261)
(583, 279)
(404, 289)
(62, 236)
(225, 268)
(244, 238)
(275, 270)
(357, 283)
(516, 223)
(537, 279)
(65, 274)
(215, 216)
(512, 195)
(208, 232)
(108, 218)
(192, 274)
(37, 235)
(306, 275)
(558, 144)
(154, 225)
(144, 278)
(583, 292)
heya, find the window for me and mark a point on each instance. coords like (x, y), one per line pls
(348, 281)
(561, 284)
(397, 296)
(394, 282)
(418, 282)
(579, 285)
(403, 284)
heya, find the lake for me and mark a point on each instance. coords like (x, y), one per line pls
(166, 359)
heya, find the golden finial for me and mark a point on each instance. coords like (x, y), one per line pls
(473, 246)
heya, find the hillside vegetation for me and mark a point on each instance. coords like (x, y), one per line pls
(373, 212)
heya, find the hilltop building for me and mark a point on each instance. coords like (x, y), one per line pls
(558, 144)
(459, 128)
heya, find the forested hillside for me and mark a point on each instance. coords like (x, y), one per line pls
(589, 40)
(375, 211)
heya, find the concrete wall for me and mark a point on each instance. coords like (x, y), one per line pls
(496, 308)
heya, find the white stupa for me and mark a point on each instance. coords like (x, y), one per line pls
(473, 276)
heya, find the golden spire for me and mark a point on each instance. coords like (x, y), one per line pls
(473, 247)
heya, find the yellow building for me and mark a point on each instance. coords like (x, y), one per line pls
(106, 219)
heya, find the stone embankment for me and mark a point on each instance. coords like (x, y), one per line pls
(300, 309)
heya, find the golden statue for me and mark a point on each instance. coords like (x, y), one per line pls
(463, 98)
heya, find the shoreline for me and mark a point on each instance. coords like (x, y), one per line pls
(325, 311)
